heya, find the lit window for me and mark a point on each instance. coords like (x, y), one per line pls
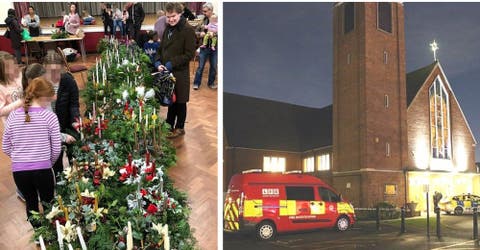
(323, 162)
(348, 17)
(384, 15)
(309, 164)
(387, 149)
(439, 121)
(390, 189)
(273, 164)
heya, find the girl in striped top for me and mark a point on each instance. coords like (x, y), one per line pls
(32, 140)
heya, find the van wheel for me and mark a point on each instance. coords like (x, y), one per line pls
(266, 230)
(343, 223)
(458, 211)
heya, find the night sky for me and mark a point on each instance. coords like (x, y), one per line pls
(283, 51)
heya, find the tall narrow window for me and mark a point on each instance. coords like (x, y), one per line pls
(386, 101)
(309, 164)
(274, 164)
(323, 162)
(385, 57)
(384, 16)
(348, 17)
(439, 121)
(387, 149)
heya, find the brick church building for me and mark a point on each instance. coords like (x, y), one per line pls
(389, 136)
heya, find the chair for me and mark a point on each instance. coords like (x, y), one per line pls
(78, 68)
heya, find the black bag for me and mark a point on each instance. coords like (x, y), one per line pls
(7, 34)
(164, 86)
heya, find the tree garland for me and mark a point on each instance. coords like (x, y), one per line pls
(116, 194)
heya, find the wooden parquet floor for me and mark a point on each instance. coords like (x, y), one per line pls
(195, 174)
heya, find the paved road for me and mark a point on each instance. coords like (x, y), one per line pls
(456, 234)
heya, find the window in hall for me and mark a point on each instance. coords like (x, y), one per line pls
(273, 164)
(385, 100)
(439, 121)
(348, 17)
(390, 189)
(309, 164)
(384, 16)
(323, 162)
(387, 149)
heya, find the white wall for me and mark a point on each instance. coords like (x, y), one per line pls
(4, 6)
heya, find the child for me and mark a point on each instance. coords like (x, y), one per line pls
(211, 34)
(32, 141)
(10, 86)
(152, 45)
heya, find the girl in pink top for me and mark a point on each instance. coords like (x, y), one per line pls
(10, 86)
(72, 21)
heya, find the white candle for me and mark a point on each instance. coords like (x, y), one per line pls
(146, 122)
(42, 244)
(89, 116)
(166, 238)
(81, 129)
(94, 110)
(70, 246)
(104, 74)
(129, 237)
(59, 235)
(80, 238)
(99, 128)
(104, 100)
(140, 116)
(128, 81)
(103, 116)
(96, 67)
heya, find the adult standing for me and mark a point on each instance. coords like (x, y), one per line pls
(107, 18)
(32, 21)
(136, 15)
(72, 20)
(206, 53)
(32, 141)
(15, 34)
(67, 104)
(174, 54)
(187, 13)
(118, 21)
(160, 24)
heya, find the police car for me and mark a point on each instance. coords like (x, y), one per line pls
(460, 204)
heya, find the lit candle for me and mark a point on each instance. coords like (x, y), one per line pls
(59, 235)
(42, 243)
(129, 237)
(80, 237)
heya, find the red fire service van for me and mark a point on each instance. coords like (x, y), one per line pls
(282, 202)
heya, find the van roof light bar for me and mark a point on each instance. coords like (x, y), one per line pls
(252, 171)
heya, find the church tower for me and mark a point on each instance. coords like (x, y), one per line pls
(369, 102)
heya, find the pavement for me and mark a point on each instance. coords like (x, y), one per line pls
(456, 233)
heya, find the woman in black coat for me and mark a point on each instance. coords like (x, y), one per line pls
(15, 34)
(174, 54)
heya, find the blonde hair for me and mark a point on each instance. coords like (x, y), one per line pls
(38, 87)
(4, 56)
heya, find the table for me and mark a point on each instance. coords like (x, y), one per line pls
(48, 39)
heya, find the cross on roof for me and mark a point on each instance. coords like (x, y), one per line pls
(434, 48)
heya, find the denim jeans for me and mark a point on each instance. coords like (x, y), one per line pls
(211, 55)
(118, 23)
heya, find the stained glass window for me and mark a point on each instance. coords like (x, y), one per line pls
(439, 121)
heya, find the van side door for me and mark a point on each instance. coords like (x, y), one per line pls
(295, 210)
(330, 198)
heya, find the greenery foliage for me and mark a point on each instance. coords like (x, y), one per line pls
(119, 171)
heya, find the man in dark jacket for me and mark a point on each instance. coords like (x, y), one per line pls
(136, 15)
(15, 34)
(174, 54)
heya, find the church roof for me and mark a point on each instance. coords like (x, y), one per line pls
(256, 123)
(416, 79)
